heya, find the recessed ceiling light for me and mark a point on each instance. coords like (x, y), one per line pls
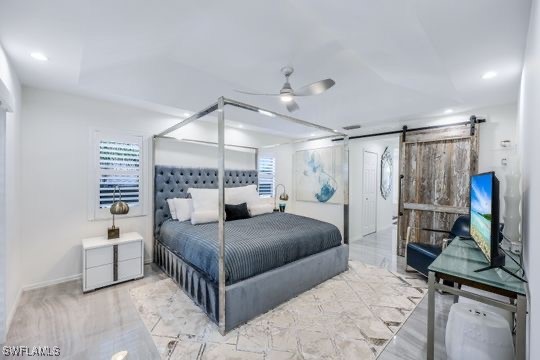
(489, 75)
(39, 56)
(312, 134)
(448, 111)
(187, 114)
(240, 126)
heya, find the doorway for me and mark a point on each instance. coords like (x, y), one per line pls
(373, 234)
(369, 193)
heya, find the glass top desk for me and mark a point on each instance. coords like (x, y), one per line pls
(457, 263)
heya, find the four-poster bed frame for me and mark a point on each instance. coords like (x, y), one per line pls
(163, 255)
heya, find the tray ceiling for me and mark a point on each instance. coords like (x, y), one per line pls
(391, 59)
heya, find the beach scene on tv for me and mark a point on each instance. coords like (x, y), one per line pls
(481, 197)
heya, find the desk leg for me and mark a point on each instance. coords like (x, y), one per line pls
(456, 297)
(521, 327)
(431, 317)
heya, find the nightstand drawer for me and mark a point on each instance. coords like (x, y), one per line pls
(130, 250)
(99, 276)
(108, 262)
(99, 256)
(129, 269)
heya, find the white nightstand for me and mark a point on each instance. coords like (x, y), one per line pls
(108, 262)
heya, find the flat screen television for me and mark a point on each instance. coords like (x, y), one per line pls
(484, 215)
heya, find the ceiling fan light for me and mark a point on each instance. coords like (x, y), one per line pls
(286, 98)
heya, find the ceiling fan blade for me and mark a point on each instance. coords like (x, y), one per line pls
(254, 93)
(316, 88)
(292, 106)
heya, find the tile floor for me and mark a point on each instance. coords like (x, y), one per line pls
(410, 342)
(352, 316)
(95, 325)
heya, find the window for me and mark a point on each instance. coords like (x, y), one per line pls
(267, 176)
(118, 169)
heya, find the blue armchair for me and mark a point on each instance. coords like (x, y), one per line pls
(420, 256)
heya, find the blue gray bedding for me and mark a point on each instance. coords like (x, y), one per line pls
(252, 246)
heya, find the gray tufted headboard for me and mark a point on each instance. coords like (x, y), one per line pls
(174, 182)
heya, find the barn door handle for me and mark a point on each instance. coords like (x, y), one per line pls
(400, 213)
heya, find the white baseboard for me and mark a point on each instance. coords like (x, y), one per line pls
(51, 282)
(61, 280)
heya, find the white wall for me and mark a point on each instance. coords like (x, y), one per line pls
(171, 152)
(529, 130)
(3, 268)
(13, 267)
(56, 131)
(55, 156)
(501, 125)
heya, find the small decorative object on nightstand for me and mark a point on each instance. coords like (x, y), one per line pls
(283, 197)
(117, 208)
(107, 262)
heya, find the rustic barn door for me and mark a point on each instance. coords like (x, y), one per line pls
(435, 167)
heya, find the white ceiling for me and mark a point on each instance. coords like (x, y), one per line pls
(391, 59)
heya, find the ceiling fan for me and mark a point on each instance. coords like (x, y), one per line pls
(287, 94)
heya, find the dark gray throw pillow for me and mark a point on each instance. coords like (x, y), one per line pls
(236, 212)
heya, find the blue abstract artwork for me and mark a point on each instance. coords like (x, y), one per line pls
(318, 175)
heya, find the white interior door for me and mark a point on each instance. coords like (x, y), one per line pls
(369, 193)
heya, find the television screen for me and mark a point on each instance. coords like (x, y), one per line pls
(481, 211)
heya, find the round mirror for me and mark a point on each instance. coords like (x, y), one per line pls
(386, 173)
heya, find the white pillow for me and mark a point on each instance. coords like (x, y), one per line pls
(241, 194)
(183, 208)
(260, 208)
(204, 216)
(204, 199)
(172, 208)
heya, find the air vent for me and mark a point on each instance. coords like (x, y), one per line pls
(352, 127)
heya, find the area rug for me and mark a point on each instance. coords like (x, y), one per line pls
(352, 316)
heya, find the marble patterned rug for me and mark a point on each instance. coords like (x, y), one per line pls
(352, 316)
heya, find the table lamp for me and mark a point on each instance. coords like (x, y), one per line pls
(283, 197)
(117, 208)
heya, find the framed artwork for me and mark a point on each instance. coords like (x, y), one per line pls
(318, 175)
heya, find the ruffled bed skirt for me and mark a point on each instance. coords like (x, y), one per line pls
(203, 292)
(254, 296)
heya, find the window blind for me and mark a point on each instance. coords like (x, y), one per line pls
(266, 175)
(119, 166)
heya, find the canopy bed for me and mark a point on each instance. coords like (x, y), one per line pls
(236, 270)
